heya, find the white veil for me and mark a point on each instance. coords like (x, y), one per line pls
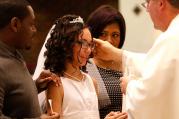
(40, 66)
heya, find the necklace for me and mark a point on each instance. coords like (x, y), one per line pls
(75, 78)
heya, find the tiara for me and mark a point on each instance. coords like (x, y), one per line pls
(77, 20)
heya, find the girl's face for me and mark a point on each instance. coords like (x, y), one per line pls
(82, 48)
(111, 33)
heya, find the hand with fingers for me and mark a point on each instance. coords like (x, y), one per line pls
(46, 77)
(104, 48)
(54, 115)
(123, 84)
(116, 115)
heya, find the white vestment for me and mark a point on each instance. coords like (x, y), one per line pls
(155, 93)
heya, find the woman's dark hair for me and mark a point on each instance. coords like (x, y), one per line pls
(12, 8)
(60, 44)
(103, 16)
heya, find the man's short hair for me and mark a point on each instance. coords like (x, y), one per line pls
(12, 8)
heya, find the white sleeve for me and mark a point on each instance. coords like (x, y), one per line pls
(132, 63)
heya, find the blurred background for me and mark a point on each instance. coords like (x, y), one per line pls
(140, 33)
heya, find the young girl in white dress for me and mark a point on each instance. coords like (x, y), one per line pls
(68, 49)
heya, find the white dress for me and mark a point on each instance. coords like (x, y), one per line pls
(80, 99)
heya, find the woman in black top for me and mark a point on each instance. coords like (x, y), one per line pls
(107, 23)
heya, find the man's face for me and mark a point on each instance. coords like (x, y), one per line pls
(26, 31)
(154, 10)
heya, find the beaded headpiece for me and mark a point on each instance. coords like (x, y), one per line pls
(77, 20)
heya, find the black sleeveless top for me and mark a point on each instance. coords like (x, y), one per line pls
(112, 84)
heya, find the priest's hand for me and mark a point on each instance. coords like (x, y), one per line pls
(123, 84)
(105, 51)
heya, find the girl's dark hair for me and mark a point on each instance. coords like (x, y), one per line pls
(12, 8)
(103, 16)
(60, 44)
